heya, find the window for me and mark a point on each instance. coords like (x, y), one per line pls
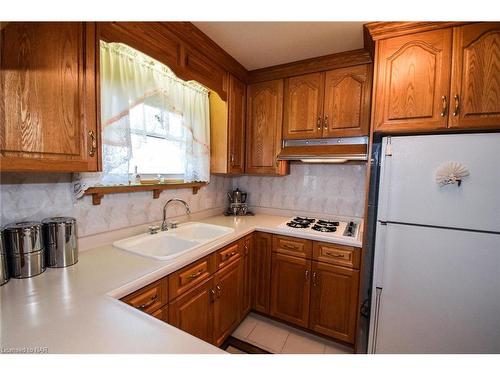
(158, 147)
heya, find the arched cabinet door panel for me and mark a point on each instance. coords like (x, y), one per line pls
(413, 81)
(347, 101)
(303, 107)
(475, 86)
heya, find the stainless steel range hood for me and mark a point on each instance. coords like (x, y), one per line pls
(325, 150)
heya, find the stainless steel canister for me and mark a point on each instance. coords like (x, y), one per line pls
(61, 248)
(25, 249)
(4, 269)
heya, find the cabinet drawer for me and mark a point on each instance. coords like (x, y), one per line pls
(292, 246)
(347, 256)
(150, 298)
(227, 254)
(189, 276)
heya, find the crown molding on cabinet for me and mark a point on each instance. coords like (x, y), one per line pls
(384, 30)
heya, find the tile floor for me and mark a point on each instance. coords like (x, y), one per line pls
(279, 338)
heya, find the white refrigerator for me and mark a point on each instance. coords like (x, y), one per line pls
(436, 276)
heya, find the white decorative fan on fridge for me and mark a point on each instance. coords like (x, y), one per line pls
(451, 173)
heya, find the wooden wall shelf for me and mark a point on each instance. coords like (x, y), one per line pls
(99, 192)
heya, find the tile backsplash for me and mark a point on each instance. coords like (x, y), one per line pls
(34, 197)
(330, 189)
(317, 188)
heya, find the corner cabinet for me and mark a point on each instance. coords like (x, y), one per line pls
(48, 107)
(264, 123)
(446, 79)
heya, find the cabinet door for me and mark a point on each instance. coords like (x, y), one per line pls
(48, 101)
(261, 271)
(347, 102)
(247, 277)
(236, 120)
(227, 306)
(290, 285)
(193, 311)
(264, 121)
(334, 301)
(475, 85)
(413, 82)
(303, 109)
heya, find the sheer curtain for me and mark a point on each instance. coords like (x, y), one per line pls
(141, 97)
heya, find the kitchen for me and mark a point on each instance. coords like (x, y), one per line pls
(180, 193)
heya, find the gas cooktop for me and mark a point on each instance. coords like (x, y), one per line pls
(334, 228)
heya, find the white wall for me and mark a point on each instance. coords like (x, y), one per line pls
(317, 188)
(34, 197)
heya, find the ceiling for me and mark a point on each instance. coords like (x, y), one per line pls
(260, 44)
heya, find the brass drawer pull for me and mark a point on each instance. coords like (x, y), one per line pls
(212, 295)
(93, 143)
(326, 123)
(148, 304)
(318, 123)
(307, 275)
(290, 247)
(195, 275)
(335, 255)
(315, 281)
(219, 290)
(226, 256)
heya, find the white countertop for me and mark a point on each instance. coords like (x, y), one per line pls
(76, 310)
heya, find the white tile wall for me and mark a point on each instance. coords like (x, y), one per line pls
(34, 197)
(320, 188)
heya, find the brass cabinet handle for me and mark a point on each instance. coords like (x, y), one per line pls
(326, 123)
(147, 304)
(445, 105)
(334, 255)
(290, 247)
(457, 105)
(307, 275)
(227, 256)
(212, 295)
(195, 275)
(93, 143)
(318, 123)
(232, 159)
(219, 290)
(314, 279)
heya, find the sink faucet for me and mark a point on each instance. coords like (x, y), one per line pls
(164, 225)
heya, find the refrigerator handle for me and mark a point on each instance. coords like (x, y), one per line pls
(373, 347)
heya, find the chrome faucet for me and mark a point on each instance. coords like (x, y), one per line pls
(164, 225)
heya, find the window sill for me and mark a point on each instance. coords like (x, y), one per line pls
(98, 192)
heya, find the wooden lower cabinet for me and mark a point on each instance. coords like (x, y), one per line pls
(261, 271)
(334, 294)
(193, 311)
(290, 288)
(228, 291)
(161, 314)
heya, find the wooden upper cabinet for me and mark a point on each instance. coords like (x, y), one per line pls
(261, 271)
(334, 301)
(475, 85)
(290, 285)
(236, 120)
(303, 106)
(48, 113)
(347, 101)
(264, 123)
(413, 81)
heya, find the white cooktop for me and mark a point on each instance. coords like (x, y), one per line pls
(340, 232)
